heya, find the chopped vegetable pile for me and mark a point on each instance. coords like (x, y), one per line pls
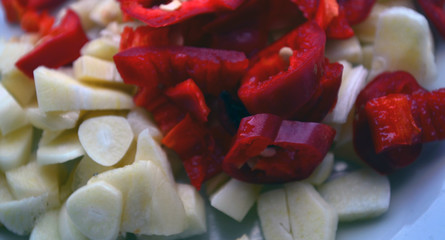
(105, 103)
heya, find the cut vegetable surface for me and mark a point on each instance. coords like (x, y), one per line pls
(357, 195)
(59, 92)
(96, 210)
(106, 139)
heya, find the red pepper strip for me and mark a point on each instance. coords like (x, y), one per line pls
(212, 70)
(273, 86)
(189, 97)
(339, 27)
(422, 113)
(435, 12)
(436, 106)
(200, 153)
(32, 21)
(43, 4)
(144, 36)
(155, 17)
(395, 158)
(325, 97)
(13, 10)
(308, 7)
(351, 12)
(165, 113)
(61, 46)
(356, 11)
(243, 29)
(297, 148)
(391, 122)
(326, 12)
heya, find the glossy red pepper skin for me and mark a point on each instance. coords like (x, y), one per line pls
(350, 12)
(298, 147)
(435, 12)
(212, 70)
(325, 98)
(61, 46)
(391, 122)
(32, 21)
(200, 152)
(144, 36)
(155, 17)
(388, 161)
(189, 97)
(165, 112)
(273, 86)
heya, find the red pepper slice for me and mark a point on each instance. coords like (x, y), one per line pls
(189, 97)
(61, 46)
(161, 67)
(391, 122)
(13, 10)
(201, 154)
(153, 16)
(144, 36)
(325, 97)
(435, 12)
(297, 148)
(280, 88)
(42, 4)
(339, 27)
(397, 157)
(32, 21)
(165, 113)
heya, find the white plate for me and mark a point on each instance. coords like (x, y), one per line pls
(417, 209)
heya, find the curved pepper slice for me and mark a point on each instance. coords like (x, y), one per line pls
(165, 113)
(189, 97)
(403, 121)
(391, 122)
(200, 152)
(61, 46)
(387, 161)
(435, 12)
(144, 36)
(156, 17)
(325, 97)
(268, 149)
(274, 86)
(161, 67)
(32, 21)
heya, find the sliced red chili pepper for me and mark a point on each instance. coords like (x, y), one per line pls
(435, 12)
(391, 122)
(43, 4)
(243, 29)
(146, 11)
(395, 158)
(274, 86)
(436, 107)
(144, 36)
(32, 21)
(189, 97)
(61, 46)
(14, 10)
(212, 70)
(165, 113)
(195, 144)
(351, 12)
(325, 97)
(326, 12)
(356, 11)
(296, 149)
(339, 27)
